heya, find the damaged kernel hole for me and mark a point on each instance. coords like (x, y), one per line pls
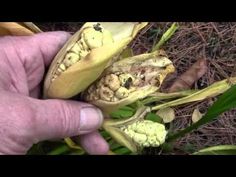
(128, 83)
(98, 27)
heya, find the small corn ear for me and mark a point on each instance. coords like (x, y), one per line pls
(135, 133)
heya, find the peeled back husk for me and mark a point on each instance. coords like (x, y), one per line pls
(129, 80)
(85, 55)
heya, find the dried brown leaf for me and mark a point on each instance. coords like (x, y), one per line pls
(187, 79)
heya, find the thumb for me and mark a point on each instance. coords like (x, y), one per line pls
(64, 118)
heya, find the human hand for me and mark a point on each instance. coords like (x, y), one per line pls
(25, 119)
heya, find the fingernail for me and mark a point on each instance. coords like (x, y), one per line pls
(90, 119)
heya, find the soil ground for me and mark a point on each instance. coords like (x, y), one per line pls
(214, 41)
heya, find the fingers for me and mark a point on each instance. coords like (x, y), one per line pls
(94, 143)
(30, 49)
(25, 57)
(61, 119)
(50, 43)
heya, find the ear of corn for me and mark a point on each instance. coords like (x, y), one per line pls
(129, 80)
(86, 54)
(146, 133)
(135, 133)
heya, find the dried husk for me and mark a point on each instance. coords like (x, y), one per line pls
(213, 90)
(16, 29)
(31, 26)
(166, 114)
(197, 115)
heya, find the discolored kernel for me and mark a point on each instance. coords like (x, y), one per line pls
(112, 81)
(106, 93)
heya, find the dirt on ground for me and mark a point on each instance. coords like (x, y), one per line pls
(216, 42)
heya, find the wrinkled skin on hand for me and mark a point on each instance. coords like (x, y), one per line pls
(25, 119)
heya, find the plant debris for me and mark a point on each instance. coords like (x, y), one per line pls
(188, 78)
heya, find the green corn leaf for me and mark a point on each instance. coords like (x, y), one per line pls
(167, 147)
(153, 117)
(128, 52)
(122, 151)
(218, 150)
(60, 150)
(225, 102)
(123, 113)
(36, 149)
(166, 36)
(114, 145)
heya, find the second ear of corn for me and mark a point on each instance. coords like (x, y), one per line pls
(146, 133)
(135, 132)
(129, 80)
